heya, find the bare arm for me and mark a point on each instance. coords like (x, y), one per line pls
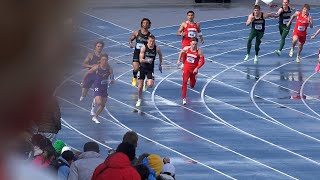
(86, 61)
(181, 52)
(200, 33)
(249, 20)
(292, 17)
(133, 37)
(180, 30)
(160, 56)
(316, 34)
(280, 10)
(91, 71)
(311, 21)
(268, 15)
(141, 55)
(201, 63)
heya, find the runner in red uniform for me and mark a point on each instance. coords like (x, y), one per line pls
(189, 30)
(194, 60)
(304, 19)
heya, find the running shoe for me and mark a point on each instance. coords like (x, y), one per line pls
(291, 52)
(81, 98)
(278, 52)
(184, 101)
(134, 81)
(138, 104)
(145, 87)
(255, 60)
(246, 58)
(95, 119)
(317, 68)
(298, 59)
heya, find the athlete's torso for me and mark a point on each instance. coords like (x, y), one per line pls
(302, 24)
(149, 54)
(258, 24)
(141, 40)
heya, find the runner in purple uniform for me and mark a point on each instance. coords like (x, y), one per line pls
(91, 60)
(103, 74)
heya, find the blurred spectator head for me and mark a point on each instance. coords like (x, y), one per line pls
(131, 137)
(68, 155)
(127, 149)
(44, 143)
(155, 163)
(168, 169)
(166, 160)
(91, 146)
(58, 145)
(36, 139)
(143, 171)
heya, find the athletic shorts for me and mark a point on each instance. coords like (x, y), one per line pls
(301, 38)
(101, 88)
(136, 56)
(144, 72)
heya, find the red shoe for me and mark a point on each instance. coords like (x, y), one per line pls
(317, 68)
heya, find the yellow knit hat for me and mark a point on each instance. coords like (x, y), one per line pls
(155, 163)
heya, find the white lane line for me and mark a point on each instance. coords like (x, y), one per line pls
(84, 135)
(301, 94)
(223, 147)
(257, 106)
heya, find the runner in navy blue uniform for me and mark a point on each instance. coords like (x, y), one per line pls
(141, 37)
(146, 70)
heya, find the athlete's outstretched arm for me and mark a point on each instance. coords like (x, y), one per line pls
(91, 71)
(133, 37)
(86, 61)
(181, 52)
(180, 30)
(292, 17)
(316, 34)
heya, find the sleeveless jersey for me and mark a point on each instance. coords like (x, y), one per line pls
(259, 24)
(102, 77)
(149, 54)
(141, 40)
(301, 26)
(284, 16)
(192, 58)
(94, 59)
(189, 32)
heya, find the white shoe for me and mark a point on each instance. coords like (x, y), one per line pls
(291, 52)
(298, 59)
(138, 104)
(95, 119)
(81, 98)
(278, 52)
(246, 58)
(184, 101)
(145, 85)
(255, 60)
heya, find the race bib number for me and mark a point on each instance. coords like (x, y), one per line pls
(190, 59)
(285, 21)
(258, 27)
(139, 45)
(301, 28)
(103, 82)
(150, 60)
(192, 34)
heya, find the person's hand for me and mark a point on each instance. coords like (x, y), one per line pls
(182, 33)
(160, 68)
(131, 45)
(195, 71)
(81, 84)
(288, 24)
(202, 41)
(313, 36)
